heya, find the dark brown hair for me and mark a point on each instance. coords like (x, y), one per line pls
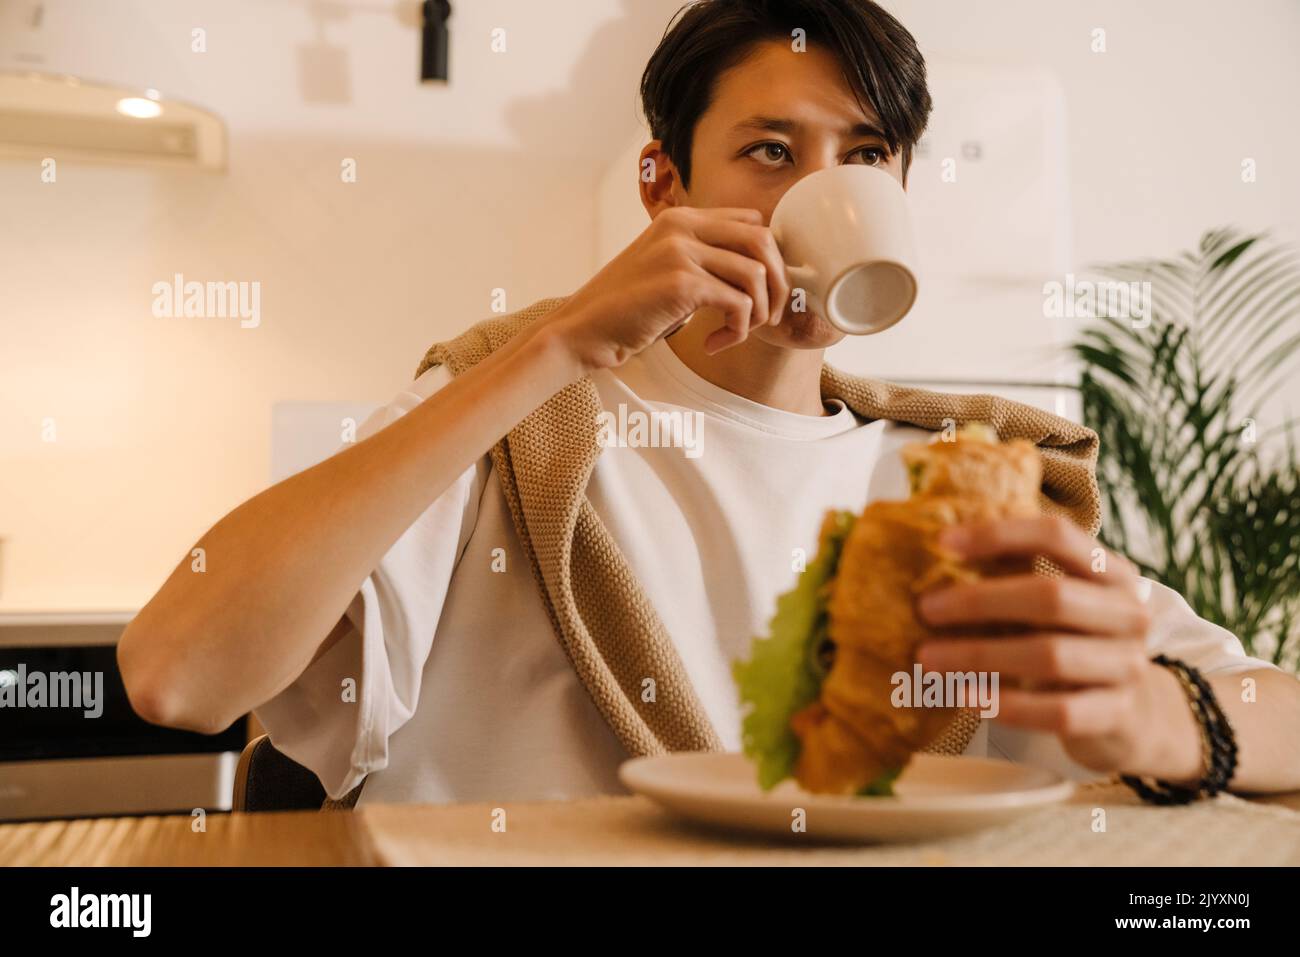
(879, 58)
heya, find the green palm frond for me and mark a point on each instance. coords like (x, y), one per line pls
(1193, 490)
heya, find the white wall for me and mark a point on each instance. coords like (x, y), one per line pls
(1158, 124)
(163, 425)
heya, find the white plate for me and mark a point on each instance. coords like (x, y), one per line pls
(936, 796)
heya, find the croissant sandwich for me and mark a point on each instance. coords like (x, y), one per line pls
(818, 689)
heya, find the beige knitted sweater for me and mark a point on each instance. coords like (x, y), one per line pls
(601, 616)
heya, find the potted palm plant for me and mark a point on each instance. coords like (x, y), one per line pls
(1198, 489)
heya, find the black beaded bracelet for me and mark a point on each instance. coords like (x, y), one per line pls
(1218, 743)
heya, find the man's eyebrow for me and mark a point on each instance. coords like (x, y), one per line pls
(777, 124)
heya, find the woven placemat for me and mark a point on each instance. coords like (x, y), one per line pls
(1224, 831)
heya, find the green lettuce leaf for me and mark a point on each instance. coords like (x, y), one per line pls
(882, 786)
(781, 675)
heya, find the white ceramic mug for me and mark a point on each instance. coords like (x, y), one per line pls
(846, 236)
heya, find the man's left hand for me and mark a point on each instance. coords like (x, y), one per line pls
(1073, 660)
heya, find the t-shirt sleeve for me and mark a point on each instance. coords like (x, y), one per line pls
(336, 718)
(1177, 631)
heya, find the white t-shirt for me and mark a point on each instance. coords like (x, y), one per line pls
(463, 692)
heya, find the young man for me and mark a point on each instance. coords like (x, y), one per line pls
(440, 678)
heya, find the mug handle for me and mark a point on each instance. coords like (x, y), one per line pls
(803, 277)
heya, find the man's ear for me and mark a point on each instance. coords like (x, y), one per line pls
(657, 179)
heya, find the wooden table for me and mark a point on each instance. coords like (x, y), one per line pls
(309, 838)
(623, 830)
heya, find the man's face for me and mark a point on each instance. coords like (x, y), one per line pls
(737, 161)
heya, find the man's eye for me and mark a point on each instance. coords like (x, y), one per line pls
(763, 152)
(872, 155)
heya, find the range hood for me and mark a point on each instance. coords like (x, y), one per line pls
(65, 117)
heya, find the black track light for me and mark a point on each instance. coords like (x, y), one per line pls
(433, 55)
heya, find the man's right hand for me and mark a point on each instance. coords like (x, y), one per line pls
(686, 260)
